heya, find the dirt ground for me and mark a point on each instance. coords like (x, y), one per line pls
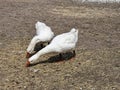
(97, 63)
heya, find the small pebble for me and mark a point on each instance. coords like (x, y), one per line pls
(118, 51)
(68, 75)
(25, 86)
(33, 76)
(7, 80)
(81, 89)
(93, 88)
(36, 70)
(85, 26)
(1, 43)
(113, 88)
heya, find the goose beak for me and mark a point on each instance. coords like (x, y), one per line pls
(27, 64)
(27, 55)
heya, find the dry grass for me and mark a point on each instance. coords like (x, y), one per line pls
(84, 12)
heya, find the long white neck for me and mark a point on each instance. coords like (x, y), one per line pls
(32, 44)
(47, 49)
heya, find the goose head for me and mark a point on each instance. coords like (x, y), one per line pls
(31, 60)
(39, 25)
(30, 49)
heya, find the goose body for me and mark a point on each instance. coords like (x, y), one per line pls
(65, 41)
(61, 43)
(43, 34)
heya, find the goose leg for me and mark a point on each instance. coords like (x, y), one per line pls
(60, 55)
(48, 43)
(42, 46)
(60, 58)
(74, 53)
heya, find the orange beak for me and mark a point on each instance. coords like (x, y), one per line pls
(28, 55)
(27, 64)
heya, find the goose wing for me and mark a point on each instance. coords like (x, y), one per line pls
(64, 42)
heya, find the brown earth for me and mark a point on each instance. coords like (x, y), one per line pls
(97, 63)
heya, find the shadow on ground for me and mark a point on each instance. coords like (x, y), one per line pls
(57, 59)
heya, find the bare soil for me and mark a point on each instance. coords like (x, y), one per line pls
(97, 62)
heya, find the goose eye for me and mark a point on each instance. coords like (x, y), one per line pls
(31, 61)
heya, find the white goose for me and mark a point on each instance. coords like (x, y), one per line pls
(43, 34)
(61, 43)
